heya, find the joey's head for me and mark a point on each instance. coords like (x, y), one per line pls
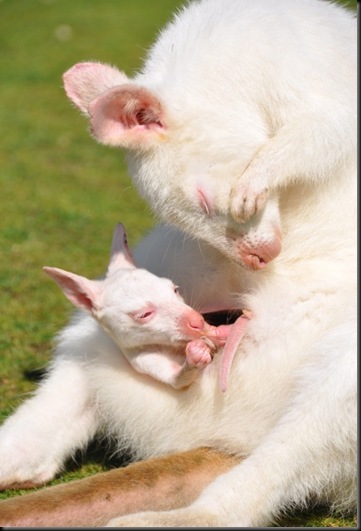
(185, 151)
(135, 307)
(141, 309)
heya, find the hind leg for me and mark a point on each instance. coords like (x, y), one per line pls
(157, 484)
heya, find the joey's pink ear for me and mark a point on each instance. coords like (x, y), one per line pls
(86, 81)
(81, 292)
(127, 116)
(120, 255)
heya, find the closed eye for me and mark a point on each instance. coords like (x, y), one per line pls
(204, 202)
(144, 315)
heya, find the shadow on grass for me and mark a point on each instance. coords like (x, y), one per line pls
(98, 453)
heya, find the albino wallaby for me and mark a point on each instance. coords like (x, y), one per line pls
(147, 318)
(239, 102)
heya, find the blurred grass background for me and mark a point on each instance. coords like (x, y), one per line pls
(60, 193)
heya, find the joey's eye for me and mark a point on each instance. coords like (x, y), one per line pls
(176, 289)
(144, 315)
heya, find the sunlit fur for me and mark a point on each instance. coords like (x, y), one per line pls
(255, 95)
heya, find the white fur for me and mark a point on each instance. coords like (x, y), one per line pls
(145, 316)
(254, 96)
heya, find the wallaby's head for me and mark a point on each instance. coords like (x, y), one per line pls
(134, 306)
(185, 149)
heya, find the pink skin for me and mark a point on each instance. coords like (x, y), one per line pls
(125, 110)
(229, 336)
(257, 253)
(199, 351)
(192, 323)
(236, 333)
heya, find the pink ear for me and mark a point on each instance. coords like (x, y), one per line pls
(81, 292)
(86, 81)
(127, 116)
(120, 255)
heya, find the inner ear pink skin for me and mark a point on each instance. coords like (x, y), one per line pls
(122, 110)
(204, 201)
(80, 291)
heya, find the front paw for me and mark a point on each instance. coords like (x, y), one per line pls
(177, 518)
(26, 476)
(198, 353)
(248, 195)
(23, 466)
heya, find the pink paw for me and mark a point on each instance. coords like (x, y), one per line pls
(198, 353)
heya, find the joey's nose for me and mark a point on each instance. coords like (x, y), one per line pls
(193, 323)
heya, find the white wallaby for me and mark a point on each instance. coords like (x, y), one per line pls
(135, 314)
(146, 317)
(243, 118)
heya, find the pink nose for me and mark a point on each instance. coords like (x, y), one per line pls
(257, 254)
(192, 321)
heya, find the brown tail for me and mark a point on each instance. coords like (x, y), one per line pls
(157, 484)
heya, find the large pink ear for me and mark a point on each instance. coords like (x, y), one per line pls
(121, 113)
(128, 116)
(81, 292)
(120, 255)
(86, 81)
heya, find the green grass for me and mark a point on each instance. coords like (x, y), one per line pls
(60, 193)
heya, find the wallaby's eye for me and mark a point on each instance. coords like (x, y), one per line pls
(176, 289)
(144, 315)
(204, 201)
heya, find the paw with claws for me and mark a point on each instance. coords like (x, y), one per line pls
(246, 203)
(249, 194)
(198, 353)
